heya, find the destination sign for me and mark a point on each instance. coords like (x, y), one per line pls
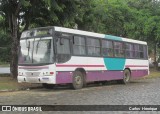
(43, 32)
(36, 32)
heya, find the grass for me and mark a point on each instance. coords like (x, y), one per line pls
(4, 64)
(7, 83)
(153, 74)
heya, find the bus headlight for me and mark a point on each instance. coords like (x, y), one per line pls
(48, 73)
(21, 74)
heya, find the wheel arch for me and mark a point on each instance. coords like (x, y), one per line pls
(129, 70)
(82, 70)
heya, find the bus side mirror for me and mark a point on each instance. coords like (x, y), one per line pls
(73, 40)
(61, 41)
(28, 44)
(19, 49)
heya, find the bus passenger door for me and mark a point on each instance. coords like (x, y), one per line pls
(63, 50)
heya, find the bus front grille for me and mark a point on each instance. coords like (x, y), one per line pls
(32, 74)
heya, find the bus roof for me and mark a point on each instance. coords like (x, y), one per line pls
(92, 34)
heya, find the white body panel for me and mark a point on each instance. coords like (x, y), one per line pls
(92, 34)
(84, 62)
(80, 32)
(135, 64)
(37, 74)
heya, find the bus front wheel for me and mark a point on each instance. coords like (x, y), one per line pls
(78, 80)
(126, 77)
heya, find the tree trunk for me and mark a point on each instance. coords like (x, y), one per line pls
(14, 47)
(155, 57)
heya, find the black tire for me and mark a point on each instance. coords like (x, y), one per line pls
(126, 77)
(77, 80)
(48, 86)
(84, 80)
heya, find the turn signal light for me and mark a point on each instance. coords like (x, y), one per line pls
(20, 73)
(48, 73)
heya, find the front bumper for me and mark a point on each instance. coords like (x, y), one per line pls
(44, 79)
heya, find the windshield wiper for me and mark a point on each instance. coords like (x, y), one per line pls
(28, 45)
(37, 46)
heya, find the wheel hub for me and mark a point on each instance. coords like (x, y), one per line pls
(126, 77)
(78, 80)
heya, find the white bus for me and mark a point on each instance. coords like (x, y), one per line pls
(57, 55)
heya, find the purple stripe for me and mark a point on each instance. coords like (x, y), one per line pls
(65, 65)
(66, 77)
(105, 75)
(63, 77)
(139, 73)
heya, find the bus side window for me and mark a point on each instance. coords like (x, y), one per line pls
(129, 50)
(118, 49)
(141, 51)
(137, 52)
(145, 52)
(93, 47)
(107, 48)
(79, 47)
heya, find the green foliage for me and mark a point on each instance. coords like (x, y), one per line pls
(5, 54)
(4, 43)
(136, 19)
(19, 15)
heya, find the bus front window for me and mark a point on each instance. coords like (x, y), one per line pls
(38, 51)
(42, 51)
(25, 53)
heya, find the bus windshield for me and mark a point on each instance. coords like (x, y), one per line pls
(35, 51)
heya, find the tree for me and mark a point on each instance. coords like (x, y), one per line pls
(110, 17)
(20, 15)
(147, 25)
(136, 19)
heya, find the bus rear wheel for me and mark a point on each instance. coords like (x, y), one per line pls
(78, 80)
(126, 77)
(48, 86)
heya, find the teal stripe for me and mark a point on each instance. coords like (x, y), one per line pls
(114, 63)
(113, 37)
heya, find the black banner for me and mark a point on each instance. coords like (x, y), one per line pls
(34, 108)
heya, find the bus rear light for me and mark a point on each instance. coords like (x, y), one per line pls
(51, 73)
